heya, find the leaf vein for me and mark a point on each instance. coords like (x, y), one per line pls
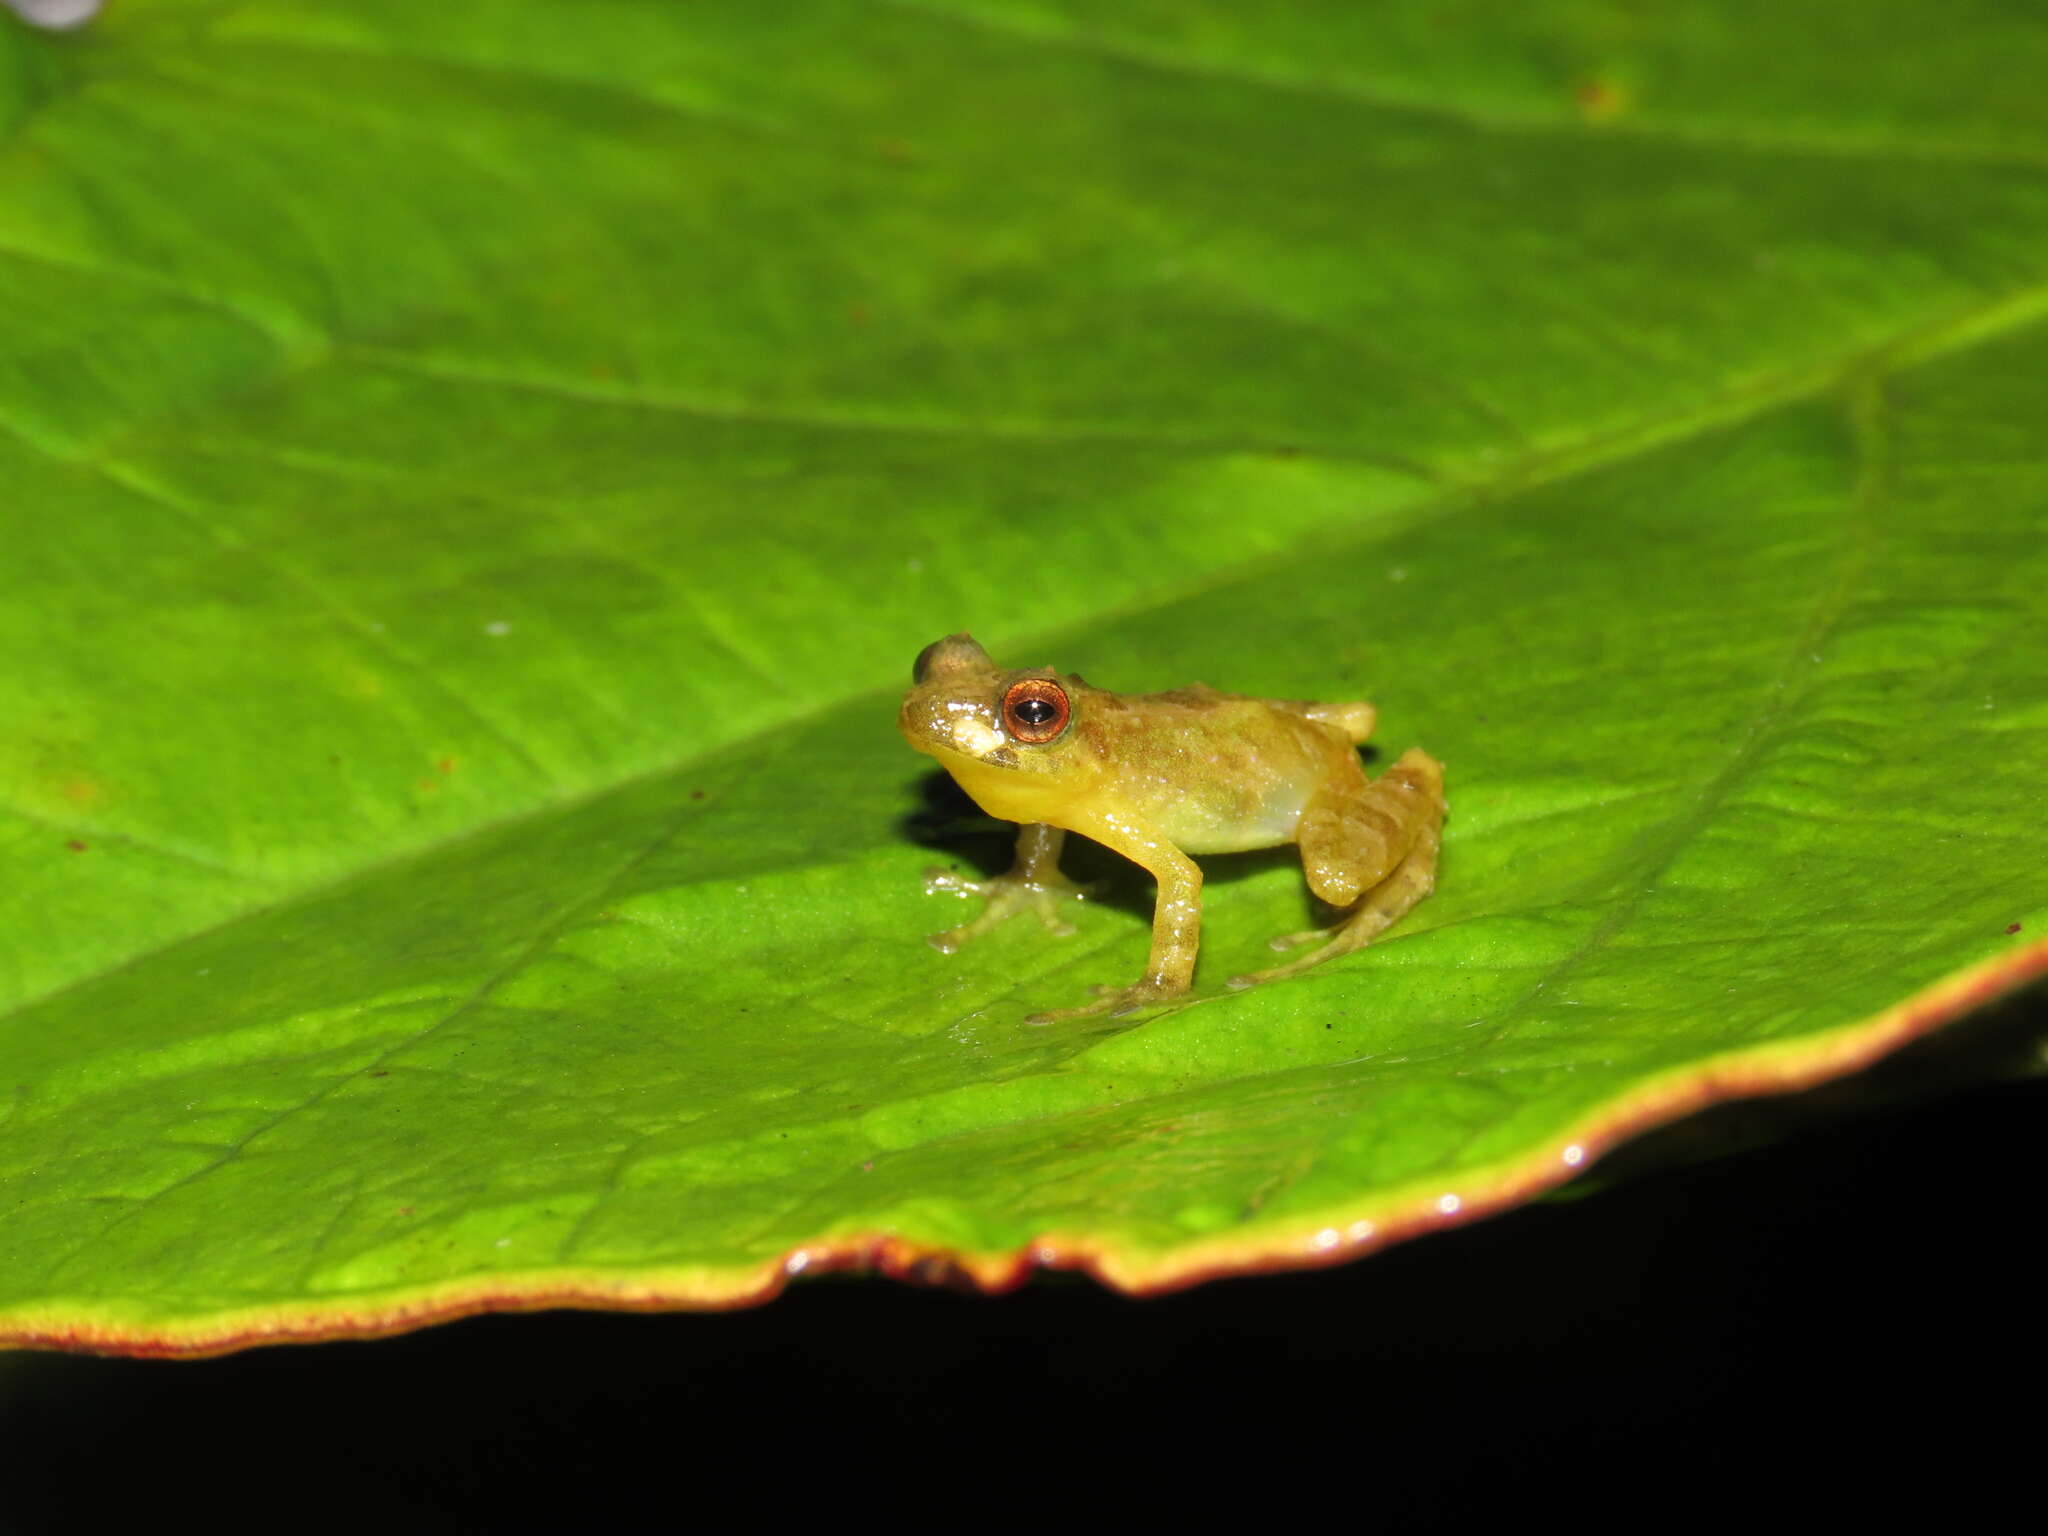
(137, 481)
(813, 419)
(82, 832)
(548, 932)
(1800, 663)
(1677, 131)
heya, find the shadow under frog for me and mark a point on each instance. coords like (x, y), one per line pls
(1155, 778)
(953, 826)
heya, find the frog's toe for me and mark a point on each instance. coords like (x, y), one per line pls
(1105, 998)
(1120, 1001)
(1136, 999)
(1007, 895)
(946, 881)
(1286, 941)
(1257, 978)
(1112, 1000)
(1282, 942)
(1329, 951)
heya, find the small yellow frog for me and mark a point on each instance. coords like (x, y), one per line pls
(1159, 776)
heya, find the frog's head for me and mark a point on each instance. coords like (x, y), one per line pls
(974, 716)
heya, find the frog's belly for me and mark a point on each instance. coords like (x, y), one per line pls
(1198, 824)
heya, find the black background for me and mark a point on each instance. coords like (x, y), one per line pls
(1842, 1315)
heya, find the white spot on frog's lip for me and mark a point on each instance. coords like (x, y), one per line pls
(796, 1263)
(954, 728)
(976, 738)
(1326, 1239)
(1574, 1155)
(1360, 1231)
(1449, 1204)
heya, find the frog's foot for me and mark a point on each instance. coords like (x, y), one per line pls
(1286, 941)
(1335, 941)
(1114, 1001)
(1412, 879)
(1007, 896)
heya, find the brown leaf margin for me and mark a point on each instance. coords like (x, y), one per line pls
(1296, 1242)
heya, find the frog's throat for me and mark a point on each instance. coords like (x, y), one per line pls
(1011, 794)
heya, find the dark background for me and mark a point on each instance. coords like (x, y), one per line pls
(1829, 1304)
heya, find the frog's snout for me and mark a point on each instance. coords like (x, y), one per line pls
(911, 722)
(936, 723)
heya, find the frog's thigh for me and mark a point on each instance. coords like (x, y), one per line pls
(1353, 838)
(1382, 840)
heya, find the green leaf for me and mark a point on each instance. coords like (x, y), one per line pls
(475, 480)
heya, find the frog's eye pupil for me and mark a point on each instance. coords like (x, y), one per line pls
(1035, 710)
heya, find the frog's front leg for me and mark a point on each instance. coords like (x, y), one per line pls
(1372, 849)
(1033, 883)
(1176, 920)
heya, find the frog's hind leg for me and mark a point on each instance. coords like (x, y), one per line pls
(1372, 850)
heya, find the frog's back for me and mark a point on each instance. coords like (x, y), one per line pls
(1355, 719)
(1218, 772)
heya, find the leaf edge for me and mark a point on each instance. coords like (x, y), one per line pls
(1283, 1244)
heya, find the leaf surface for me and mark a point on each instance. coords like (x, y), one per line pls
(474, 488)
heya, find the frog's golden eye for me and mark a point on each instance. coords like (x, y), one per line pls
(1035, 709)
